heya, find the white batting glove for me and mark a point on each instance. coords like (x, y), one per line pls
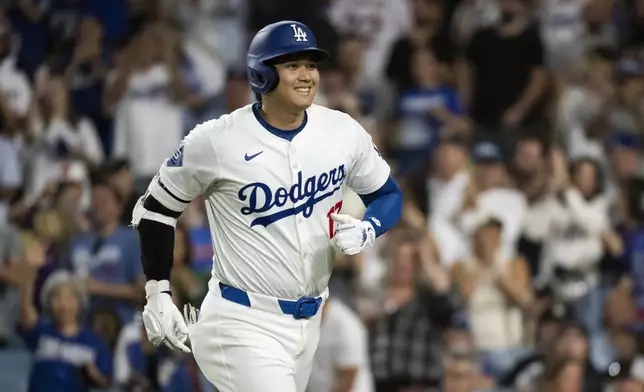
(162, 320)
(352, 235)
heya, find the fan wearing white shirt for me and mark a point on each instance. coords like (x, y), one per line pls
(490, 192)
(379, 22)
(446, 190)
(14, 85)
(341, 362)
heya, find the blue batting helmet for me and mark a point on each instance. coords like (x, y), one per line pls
(273, 41)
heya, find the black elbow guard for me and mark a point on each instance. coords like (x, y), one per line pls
(157, 249)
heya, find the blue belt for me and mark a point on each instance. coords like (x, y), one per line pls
(304, 307)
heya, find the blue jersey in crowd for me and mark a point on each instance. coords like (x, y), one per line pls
(172, 371)
(202, 252)
(59, 361)
(114, 259)
(419, 129)
(634, 260)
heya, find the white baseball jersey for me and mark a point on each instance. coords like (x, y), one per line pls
(268, 199)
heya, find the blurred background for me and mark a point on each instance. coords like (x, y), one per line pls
(514, 127)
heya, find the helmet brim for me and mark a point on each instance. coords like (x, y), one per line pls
(314, 54)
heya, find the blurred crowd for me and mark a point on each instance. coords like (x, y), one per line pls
(515, 128)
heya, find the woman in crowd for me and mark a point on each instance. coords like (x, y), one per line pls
(579, 237)
(497, 292)
(66, 355)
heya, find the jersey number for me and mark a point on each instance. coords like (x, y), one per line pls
(334, 210)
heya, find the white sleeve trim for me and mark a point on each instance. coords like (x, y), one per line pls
(376, 185)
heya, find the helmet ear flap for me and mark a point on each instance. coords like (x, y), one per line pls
(276, 79)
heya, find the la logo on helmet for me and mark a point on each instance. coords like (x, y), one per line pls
(298, 33)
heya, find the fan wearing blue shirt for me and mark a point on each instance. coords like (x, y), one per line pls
(142, 364)
(66, 356)
(109, 256)
(425, 112)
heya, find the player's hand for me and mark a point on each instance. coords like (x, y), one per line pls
(351, 235)
(162, 320)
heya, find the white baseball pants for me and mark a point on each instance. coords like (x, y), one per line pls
(241, 349)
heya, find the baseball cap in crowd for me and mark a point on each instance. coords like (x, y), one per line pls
(487, 153)
(460, 322)
(629, 68)
(488, 218)
(624, 139)
(73, 172)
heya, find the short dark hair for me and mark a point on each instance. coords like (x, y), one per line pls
(116, 166)
(103, 183)
(534, 136)
(576, 164)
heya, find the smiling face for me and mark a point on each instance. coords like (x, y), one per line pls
(298, 82)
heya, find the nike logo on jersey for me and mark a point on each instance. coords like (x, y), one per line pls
(261, 198)
(249, 157)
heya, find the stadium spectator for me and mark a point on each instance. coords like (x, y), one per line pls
(29, 19)
(374, 97)
(342, 358)
(11, 178)
(626, 114)
(491, 191)
(405, 343)
(497, 292)
(503, 80)
(121, 180)
(585, 92)
(190, 289)
(378, 23)
(67, 356)
(68, 136)
(469, 17)
(107, 258)
(625, 155)
(425, 112)
(139, 366)
(201, 247)
(532, 171)
(441, 197)
(578, 238)
(464, 369)
(564, 33)
(85, 67)
(10, 256)
(568, 367)
(15, 92)
(426, 34)
(145, 93)
(624, 304)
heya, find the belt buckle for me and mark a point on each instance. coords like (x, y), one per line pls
(306, 307)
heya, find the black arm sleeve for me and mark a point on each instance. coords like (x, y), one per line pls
(157, 242)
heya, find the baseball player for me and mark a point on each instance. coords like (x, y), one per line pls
(273, 174)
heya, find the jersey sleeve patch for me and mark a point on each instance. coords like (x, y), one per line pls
(176, 160)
